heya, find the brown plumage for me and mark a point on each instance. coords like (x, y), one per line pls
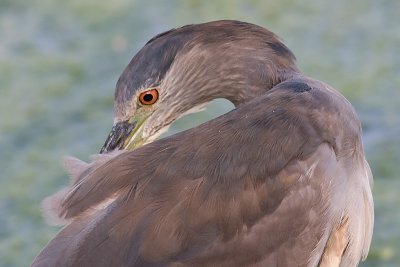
(279, 181)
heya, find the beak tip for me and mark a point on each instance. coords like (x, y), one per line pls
(102, 150)
(119, 133)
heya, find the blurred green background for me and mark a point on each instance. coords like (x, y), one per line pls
(60, 60)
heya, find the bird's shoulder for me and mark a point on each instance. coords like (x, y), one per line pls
(287, 123)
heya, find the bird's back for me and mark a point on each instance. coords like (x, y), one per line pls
(279, 181)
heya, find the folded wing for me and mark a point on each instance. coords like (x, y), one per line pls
(279, 180)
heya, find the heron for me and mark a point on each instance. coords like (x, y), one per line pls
(280, 180)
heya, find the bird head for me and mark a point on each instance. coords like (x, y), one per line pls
(180, 70)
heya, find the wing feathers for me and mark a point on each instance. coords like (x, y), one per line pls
(266, 188)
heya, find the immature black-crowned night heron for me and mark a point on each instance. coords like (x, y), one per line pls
(279, 181)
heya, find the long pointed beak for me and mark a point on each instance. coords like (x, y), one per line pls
(127, 134)
(118, 135)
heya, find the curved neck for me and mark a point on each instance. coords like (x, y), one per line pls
(242, 94)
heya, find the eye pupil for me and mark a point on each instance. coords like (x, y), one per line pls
(148, 97)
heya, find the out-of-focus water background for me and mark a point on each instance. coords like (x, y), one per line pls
(60, 60)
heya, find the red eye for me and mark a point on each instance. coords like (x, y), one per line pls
(148, 97)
